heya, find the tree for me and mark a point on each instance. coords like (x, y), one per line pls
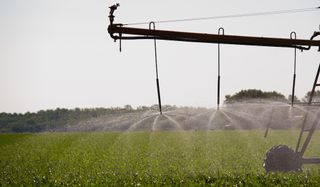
(315, 98)
(128, 107)
(254, 94)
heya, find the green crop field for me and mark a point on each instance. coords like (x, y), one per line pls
(187, 158)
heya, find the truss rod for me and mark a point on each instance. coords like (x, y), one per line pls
(139, 33)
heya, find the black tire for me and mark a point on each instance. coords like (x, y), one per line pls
(281, 158)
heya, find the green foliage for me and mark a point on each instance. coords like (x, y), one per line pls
(254, 94)
(53, 119)
(315, 98)
(218, 158)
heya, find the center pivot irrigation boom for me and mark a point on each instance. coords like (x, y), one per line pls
(278, 158)
(138, 33)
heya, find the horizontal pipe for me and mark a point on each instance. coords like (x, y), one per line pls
(311, 160)
(140, 33)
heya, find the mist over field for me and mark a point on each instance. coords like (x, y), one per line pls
(234, 116)
(251, 114)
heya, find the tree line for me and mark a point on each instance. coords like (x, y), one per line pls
(47, 120)
(51, 120)
(250, 94)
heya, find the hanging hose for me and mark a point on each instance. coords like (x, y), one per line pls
(156, 63)
(219, 77)
(293, 35)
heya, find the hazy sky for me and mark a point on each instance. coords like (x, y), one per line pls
(57, 53)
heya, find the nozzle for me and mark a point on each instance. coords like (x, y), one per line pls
(112, 9)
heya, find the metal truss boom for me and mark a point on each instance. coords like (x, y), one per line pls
(118, 31)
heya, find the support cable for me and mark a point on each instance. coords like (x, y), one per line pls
(276, 12)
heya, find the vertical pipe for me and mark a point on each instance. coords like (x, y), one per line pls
(219, 76)
(159, 98)
(156, 64)
(218, 102)
(120, 43)
(319, 46)
(218, 89)
(293, 35)
(293, 89)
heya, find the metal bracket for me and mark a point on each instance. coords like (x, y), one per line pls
(315, 34)
(112, 9)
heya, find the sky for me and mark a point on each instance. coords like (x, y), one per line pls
(58, 53)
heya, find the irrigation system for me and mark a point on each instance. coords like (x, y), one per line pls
(280, 157)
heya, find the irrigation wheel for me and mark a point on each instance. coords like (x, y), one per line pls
(281, 158)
